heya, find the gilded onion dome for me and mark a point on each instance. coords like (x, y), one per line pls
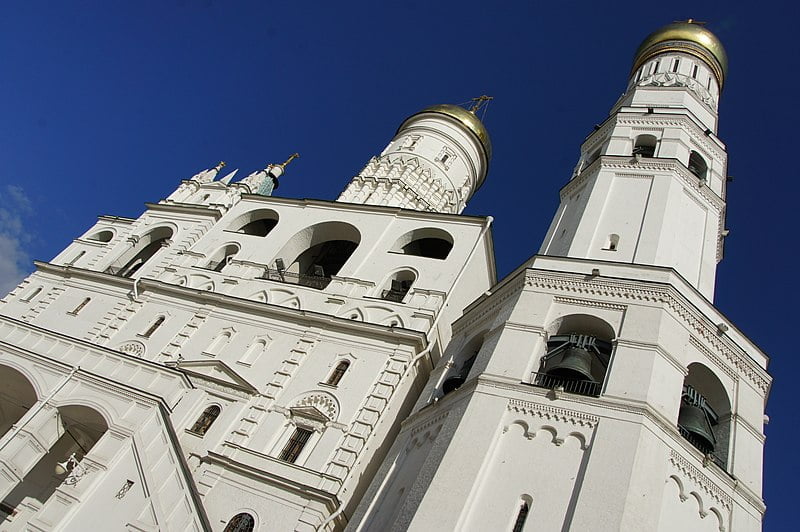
(466, 118)
(689, 38)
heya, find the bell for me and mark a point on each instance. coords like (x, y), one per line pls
(452, 383)
(573, 363)
(694, 421)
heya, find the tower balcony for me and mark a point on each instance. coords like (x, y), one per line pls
(564, 384)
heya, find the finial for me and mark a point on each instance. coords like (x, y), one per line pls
(480, 101)
(220, 166)
(692, 21)
(291, 158)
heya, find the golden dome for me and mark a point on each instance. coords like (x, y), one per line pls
(687, 37)
(466, 118)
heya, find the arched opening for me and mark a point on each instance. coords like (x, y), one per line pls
(219, 342)
(462, 365)
(148, 245)
(79, 429)
(337, 373)
(242, 522)
(17, 396)
(645, 146)
(577, 357)
(705, 413)
(398, 285)
(154, 326)
(101, 236)
(315, 254)
(428, 242)
(523, 510)
(256, 223)
(698, 165)
(612, 242)
(222, 257)
(205, 420)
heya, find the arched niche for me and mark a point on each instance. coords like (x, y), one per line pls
(316, 253)
(397, 285)
(257, 222)
(698, 165)
(462, 363)
(430, 242)
(222, 257)
(104, 235)
(145, 248)
(645, 146)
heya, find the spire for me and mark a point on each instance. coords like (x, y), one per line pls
(207, 176)
(265, 181)
(481, 101)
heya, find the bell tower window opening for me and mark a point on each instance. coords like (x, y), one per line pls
(612, 242)
(676, 63)
(338, 372)
(704, 417)
(698, 165)
(446, 157)
(255, 223)
(398, 287)
(694, 71)
(655, 66)
(293, 448)
(155, 325)
(411, 142)
(645, 146)
(76, 310)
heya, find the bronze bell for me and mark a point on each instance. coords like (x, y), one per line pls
(693, 419)
(572, 363)
(452, 383)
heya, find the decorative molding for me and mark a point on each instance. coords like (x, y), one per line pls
(573, 417)
(132, 347)
(701, 479)
(590, 303)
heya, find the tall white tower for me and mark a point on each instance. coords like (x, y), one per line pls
(596, 387)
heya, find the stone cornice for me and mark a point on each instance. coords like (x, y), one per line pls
(185, 208)
(203, 297)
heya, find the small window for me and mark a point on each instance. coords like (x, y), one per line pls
(241, 523)
(638, 75)
(222, 258)
(694, 71)
(76, 258)
(295, 445)
(708, 84)
(219, 342)
(655, 66)
(676, 63)
(255, 350)
(77, 309)
(205, 420)
(522, 515)
(697, 165)
(338, 373)
(612, 242)
(398, 286)
(155, 325)
(411, 142)
(35, 292)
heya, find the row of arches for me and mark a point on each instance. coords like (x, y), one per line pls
(645, 146)
(578, 353)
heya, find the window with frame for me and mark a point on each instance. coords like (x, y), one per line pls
(205, 420)
(295, 445)
(242, 522)
(338, 373)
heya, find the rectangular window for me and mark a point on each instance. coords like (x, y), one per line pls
(675, 64)
(295, 445)
(655, 66)
(694, 72)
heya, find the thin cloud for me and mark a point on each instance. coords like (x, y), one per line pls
(14, 206)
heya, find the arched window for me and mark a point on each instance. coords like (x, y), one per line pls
(222, 257)
(338, 373)
(522, 516)
(462, 365)
(153, 326)
(398, 286)
(577, 355)
(241, 523)
(705, 413)
(205, 420)
(612, 242)
(33, 293)
(76, 258)
(80, 306)
(256, 223)
(645, 146)
(698, 165)
(147, 246)
(101, 236)
(428, 242)
(255, 350)
(297, 441)
(315, 254)
(219, 342)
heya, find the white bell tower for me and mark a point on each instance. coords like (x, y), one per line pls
(650, 184)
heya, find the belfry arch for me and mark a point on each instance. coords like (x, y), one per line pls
(17, 396)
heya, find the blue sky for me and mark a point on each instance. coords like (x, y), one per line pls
(106, 105)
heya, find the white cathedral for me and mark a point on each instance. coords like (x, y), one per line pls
(235, 361)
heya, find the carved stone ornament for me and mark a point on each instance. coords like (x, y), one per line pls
(323, 403)
(132, 347)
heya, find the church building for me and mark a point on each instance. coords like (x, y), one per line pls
(236, 361)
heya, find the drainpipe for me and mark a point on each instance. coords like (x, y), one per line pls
(33, 411)
(136, 288)
(429, 337)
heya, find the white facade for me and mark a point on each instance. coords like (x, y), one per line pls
(231, 360)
